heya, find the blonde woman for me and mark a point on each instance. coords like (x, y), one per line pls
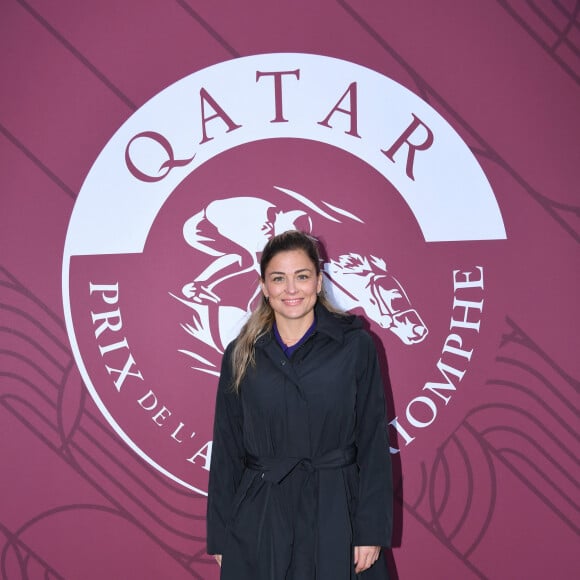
(300, 483)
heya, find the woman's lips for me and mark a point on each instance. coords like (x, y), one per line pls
(292, 301)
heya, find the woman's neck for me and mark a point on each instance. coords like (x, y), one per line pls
(291, 331)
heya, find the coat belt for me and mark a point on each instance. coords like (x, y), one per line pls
(276, 469)
(333, 549)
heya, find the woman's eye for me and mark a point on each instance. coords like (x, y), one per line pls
(277, 279)
(303, 277)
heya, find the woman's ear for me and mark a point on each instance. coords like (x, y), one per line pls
(263, 288)
(319, 284)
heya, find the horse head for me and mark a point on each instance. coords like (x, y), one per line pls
(355, 281)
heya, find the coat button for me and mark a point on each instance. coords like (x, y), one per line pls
(282, 362)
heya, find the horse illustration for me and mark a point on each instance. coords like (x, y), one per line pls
(356, 281)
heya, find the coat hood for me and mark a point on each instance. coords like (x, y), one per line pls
(336, 325)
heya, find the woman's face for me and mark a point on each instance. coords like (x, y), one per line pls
(292, 285)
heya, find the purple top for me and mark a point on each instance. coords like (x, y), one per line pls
(289, 350)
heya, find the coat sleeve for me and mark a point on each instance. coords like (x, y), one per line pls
(374, 509)
(227, 458)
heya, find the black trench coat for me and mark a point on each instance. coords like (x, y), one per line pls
(300, 467)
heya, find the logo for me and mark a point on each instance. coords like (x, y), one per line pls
(161, 260)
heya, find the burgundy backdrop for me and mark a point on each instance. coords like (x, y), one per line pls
(491, 490)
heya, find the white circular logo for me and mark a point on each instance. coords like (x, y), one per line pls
(161, 258)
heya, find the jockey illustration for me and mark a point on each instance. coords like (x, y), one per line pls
(245, 222)
(232, 232)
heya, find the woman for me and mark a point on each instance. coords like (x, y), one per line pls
(300, 482)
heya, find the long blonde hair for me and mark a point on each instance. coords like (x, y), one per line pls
(262, 318)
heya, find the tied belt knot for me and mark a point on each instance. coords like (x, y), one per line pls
(333, 537)
(275, 469)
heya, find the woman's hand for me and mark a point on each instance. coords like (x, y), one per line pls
(218, 559)
(365, 557)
